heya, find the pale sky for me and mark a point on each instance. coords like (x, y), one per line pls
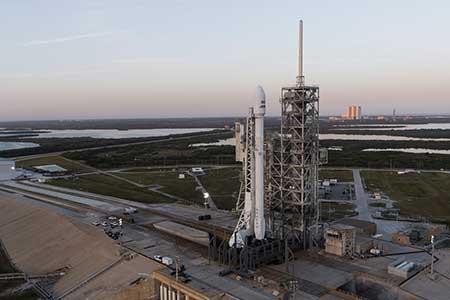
(64, 59)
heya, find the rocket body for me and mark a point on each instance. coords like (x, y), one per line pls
(260, 111)
(252, 222)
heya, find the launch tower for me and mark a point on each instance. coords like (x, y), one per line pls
(294, 210)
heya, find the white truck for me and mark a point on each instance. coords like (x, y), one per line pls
(168, 261)
(130, 210)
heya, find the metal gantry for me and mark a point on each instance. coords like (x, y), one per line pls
(247, 172)
(294, 190)
(247, 162)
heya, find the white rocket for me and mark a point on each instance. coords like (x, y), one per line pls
(260, 111)
(251, 221)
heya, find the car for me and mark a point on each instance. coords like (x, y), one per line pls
(168, 261)
(114, 224)
(104, 224)
(95, 223)
(130, 210)
(204, 217)
(112, 218)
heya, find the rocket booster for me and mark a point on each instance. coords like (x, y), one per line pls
(259, 111)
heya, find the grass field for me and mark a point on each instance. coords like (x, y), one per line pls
(223, 185)
(107, 185)
(67, 164)
(340, 175)
(183, 188)
(426, 194)
(331, 211)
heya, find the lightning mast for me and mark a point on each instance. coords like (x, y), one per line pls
(295, 202)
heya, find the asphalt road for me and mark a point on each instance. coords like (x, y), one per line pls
(361, 198)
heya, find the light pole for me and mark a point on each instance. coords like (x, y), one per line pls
(432, 256)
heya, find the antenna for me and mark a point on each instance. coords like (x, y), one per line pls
(300, 77)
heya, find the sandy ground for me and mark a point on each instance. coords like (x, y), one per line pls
(40, 241)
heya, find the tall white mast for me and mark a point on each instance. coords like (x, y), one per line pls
(300, 77)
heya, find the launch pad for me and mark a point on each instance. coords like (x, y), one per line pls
(279, 190)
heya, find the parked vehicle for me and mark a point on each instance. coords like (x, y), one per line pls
(164, 259)
(376, 252)
(130, 210)
(204, 217)
(95, 223)
(114, 224)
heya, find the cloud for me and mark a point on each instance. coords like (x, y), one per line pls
(67, 39)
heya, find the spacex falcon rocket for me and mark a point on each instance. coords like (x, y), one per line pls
(251, 221)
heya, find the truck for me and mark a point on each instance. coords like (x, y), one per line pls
(130, 210)
(168, 261)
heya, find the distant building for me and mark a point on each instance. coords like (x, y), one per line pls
(50, 170)
(353, 113)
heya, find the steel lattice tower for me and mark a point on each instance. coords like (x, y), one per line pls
(299, 159)
(293, 188)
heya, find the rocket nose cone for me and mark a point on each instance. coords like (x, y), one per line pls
(260, 95)
(260, 107)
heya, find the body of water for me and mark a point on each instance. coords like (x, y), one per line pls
(16, 145)
(118, 134)
(394, 126)
(330, 136)
(409, 150)
(363, 137)
(225, 142)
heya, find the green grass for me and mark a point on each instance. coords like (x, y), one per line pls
(183, 188)
(340, 175)
(377, 204)
(109, 186)
(67, 164)
(426, 194)
(223, 186)
(331, 211)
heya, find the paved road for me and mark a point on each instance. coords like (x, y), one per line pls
(211, 203)
(68, 197)
(386, 170)
(361, 198)
(362, 201)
